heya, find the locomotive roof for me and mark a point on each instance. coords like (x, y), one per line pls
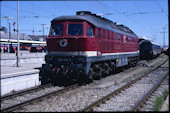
(143, 37)
(98, 22)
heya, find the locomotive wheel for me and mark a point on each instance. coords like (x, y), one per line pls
(92, 74)
(104, 74)
(106, 70)
(113, 68)
(109, 71)
(97, 72)
(130, 64)
(98, 75)
(133, 64)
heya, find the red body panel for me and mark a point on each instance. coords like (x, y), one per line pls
(80, 44)
(107, 42)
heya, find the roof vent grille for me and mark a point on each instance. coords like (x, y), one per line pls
(83, 12)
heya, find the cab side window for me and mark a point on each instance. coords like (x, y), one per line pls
(98, 35)
(90, 31)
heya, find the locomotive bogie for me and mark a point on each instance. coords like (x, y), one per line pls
(84, 69)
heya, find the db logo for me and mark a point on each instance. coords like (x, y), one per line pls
(63, 43)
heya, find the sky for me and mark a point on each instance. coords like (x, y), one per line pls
(147, 18)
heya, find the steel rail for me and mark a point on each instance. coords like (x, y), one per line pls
(13, 107)
(108, 96)
(137, 106)
(24, 92)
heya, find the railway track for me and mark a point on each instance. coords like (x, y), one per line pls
(143, 100)
(10, 107)
(129, 94)
(19, 99)
(20, 93)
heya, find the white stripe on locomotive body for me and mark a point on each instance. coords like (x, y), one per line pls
(87, 53)
(68, 53)
(120, 53)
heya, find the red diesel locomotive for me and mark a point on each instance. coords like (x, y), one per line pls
(85, 47)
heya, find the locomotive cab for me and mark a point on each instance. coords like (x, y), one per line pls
(71, 38)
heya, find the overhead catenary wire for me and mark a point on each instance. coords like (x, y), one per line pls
(162, 11)
(124, 14)
(16, 9)
(147, 29)
(41, 12)
(25, 12)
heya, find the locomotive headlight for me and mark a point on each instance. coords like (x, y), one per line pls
(63, 43)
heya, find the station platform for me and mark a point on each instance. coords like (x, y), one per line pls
(15, 78)
(22, 55)
(24, 68)
(28, 63)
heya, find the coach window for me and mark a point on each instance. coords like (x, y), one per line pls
(57, 29)
(118, 36)
(98, 35)
(90, 31)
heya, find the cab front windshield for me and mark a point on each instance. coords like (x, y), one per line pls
(75, 29)
(57, 30)
(72, 29)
